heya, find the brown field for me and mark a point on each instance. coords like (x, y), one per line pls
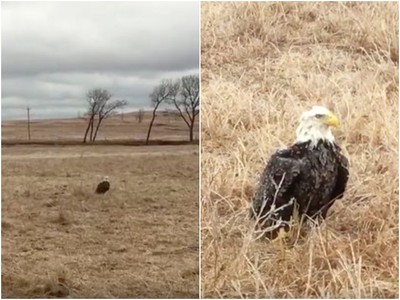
(59, 239)
(263, 64)
(167, 126)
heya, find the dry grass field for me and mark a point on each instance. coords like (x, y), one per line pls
(166, 126)
(60, 239)
(263, 64)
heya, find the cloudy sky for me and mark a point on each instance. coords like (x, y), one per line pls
(53, 52)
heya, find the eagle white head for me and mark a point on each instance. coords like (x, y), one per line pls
(315, 125)
(105, 178)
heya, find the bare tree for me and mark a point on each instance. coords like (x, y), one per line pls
(140, 115)
(161, 93)
(106, 111)
(91, 113)
(100, 105)
(187, 101)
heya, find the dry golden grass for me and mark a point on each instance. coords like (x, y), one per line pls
(262, 65)
(59, 239)
(167, 126)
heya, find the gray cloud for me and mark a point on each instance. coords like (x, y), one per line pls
(53, 52)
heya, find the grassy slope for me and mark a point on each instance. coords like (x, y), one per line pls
(262, 65)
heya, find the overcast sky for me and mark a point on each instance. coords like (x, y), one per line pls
(53, 52)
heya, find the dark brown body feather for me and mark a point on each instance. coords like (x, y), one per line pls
(309, 178)
(102, 187)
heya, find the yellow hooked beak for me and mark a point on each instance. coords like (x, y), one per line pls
(331, 120)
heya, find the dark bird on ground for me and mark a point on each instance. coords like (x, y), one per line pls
(103, 186)
(309, 176)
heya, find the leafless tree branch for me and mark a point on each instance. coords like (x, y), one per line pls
(100, 105)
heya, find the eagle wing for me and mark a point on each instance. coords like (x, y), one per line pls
(102, 187)
(276, 185)
(342, 176)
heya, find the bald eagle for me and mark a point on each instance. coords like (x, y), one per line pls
(103, 186)
(309, 175)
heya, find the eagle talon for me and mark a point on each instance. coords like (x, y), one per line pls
(282, 234)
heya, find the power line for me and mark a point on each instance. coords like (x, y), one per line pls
(28, 109)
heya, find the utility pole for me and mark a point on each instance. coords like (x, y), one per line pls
(28, 109)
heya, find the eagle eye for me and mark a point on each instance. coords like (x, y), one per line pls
(319, 116)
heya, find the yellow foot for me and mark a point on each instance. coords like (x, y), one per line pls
(281, 235)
